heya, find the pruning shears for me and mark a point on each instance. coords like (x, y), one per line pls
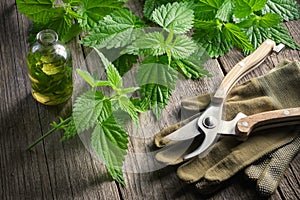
(210, 122)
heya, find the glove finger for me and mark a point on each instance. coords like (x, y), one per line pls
(195, 169)
(274, 171)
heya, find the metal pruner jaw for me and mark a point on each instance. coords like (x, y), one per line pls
(208, 123)
(208, 141)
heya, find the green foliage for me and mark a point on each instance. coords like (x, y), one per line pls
(216, 26)
(224, 24)
(176, 17)
(69, 18)
(109, 140)
(116, 30)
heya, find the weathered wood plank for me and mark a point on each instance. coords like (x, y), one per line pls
(52, 170)
(66, 170)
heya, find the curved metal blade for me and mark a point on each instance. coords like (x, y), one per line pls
(186, 132)
(209, 122)
(209, 140)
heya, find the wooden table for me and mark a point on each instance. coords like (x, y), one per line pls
(55, 170)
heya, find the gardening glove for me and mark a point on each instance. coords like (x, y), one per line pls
(269, 151)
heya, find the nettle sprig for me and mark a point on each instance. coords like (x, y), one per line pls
(100, 114)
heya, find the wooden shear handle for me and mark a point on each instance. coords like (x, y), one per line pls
(242, 68)
(270, 119)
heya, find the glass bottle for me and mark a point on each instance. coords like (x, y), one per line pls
(50, 69)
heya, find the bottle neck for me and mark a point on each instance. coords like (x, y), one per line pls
(47, 37)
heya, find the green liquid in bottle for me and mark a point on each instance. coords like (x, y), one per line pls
(50, 71)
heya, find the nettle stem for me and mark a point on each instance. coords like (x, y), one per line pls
(62, 123)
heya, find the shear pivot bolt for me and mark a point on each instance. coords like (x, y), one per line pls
(245, 124)
(209, 122)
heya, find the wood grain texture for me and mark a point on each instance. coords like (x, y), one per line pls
(54, 170)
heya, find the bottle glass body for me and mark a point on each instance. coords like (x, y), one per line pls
(50, 69)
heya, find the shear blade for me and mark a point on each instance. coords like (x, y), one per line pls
(186, 132)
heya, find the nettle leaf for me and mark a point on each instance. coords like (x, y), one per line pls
(210, 36)
(182, 47)
(113, 76)
(38, 10)
(87, 109)
(115, 30)
(151, 5)
(109, 140)
(287, 9)
(237, 37)
(157, 44)
(125, 62)
(149, 44)
(90, 79)
(158, 96)
(269, 20)
(266, 21)
(156, 81)
(61, 24)
(69, 130)
(177, 17)
(127, 106)
(244, 8)
(225, 12)
(156, 71)
(93, 11)
(278, 33)
(207, 9)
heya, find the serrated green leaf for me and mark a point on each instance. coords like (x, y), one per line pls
(191, 69)
(113, 75)
(208, 25)
(213, 41)
(207, 9)
(278, 33)
(237, 37)
(151, 5)
(102, 83)
(157, 44)
(177, 17)
(225, 12)
(69, 130)
(244, 8)
(93, 11)
(269, 20)
(115, 30)
(265, 21)
(87, 109)
(287, 9)
(38, 10)
(156, 71)
(109, 140)
(149, 44)
(158, 96)
(124, 63)
(87, 77)
(128, 90)
(71, 33)
(182, 47)
(127, 106)
(141, 105)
